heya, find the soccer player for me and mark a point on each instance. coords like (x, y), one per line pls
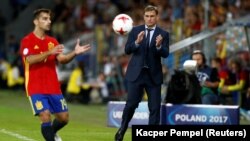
(40, 53)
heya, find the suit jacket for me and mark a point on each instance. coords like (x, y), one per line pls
(154, 56)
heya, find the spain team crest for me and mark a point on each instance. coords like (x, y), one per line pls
(39, 105)
(50, 45)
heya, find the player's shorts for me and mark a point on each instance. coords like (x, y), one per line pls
(53, 103)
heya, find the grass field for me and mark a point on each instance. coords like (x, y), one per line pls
(87, 122)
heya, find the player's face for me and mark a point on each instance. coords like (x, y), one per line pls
(150, 18)
(43, 21)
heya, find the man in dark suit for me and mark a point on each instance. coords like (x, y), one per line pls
(147, 44)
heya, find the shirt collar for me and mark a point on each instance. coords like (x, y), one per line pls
(153, 28)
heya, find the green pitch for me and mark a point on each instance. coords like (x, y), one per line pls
(87, 122)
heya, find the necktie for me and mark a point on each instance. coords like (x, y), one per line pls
(146, 49)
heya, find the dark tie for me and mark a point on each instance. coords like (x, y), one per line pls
(146, 49)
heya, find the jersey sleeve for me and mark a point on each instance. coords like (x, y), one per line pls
(26, 48)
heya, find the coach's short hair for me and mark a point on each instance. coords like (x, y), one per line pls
(151, 8)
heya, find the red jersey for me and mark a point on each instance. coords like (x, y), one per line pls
(40, 78)
(241, 75)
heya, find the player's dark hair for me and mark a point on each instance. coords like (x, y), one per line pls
(201, 53)
(151, 8)
(37, 12)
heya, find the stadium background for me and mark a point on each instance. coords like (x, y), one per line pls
(218, 27)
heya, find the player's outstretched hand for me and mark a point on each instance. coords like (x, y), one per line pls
(81, 49)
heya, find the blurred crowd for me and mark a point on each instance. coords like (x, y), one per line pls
(182, 18)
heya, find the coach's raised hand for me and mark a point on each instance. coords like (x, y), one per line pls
(139, 37)
(158, 40)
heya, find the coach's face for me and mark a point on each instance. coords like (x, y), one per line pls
(43, 21)
(150, 18)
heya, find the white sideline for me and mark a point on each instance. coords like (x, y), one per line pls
(21, 137)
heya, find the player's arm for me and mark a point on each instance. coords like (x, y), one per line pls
(32, 59)
(65, 58)
(236, 87)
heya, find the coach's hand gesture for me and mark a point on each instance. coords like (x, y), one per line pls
(81, 49)
(158, 40)
(139, 37)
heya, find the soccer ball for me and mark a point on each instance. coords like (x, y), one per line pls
(122, 24)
